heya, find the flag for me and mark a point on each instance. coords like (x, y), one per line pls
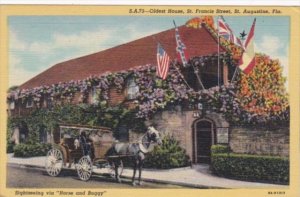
(247, 61)
(180, 47)
(163, 62)
(227, 33)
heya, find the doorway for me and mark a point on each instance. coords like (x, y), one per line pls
(204, 138)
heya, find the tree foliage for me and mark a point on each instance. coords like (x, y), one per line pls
(262, 91)
(43, 119)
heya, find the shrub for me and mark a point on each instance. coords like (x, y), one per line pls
(251, 167)
(31, 150)
(219, 149)
(168, 155)
(10, 147)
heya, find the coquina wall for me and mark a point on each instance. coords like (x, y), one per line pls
(241, 139)
(180, 124)
(261, 141)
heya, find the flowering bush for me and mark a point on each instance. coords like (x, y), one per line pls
(262, 91)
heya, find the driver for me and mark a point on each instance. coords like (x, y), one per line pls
(86, 146)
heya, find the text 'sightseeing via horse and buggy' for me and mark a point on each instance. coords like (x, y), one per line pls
(89, 147)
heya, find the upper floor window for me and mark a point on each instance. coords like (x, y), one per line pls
(94, 96)
(29, 103)
(49, 103)
(132, 89)
(12, 105)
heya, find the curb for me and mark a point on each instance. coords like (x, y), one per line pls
(163, 170)
(177, 183)
(196, 186)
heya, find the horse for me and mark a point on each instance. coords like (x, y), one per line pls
(136, 151)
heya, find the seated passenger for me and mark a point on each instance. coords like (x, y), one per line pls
(86, 146)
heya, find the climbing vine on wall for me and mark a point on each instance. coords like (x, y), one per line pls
(236, 101)
(48, 119)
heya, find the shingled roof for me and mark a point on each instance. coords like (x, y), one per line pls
(199, 42)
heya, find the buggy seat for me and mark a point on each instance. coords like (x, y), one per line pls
(71, 151)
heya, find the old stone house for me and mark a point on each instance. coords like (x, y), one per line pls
(196, 129)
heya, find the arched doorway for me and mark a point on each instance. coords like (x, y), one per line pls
(203, 139)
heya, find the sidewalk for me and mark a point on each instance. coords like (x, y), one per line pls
(197, 176)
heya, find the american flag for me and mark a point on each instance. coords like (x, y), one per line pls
(163, 62)
(180, 48)
(227, 33)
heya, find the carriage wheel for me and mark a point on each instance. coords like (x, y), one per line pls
(84, 168)
(112, 169)
(54, 162)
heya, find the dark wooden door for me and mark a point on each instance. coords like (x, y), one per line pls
(203, 141)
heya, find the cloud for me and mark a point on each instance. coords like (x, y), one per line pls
(83, 41)
(135, 33)
(28, 59)
(15, 43)
(40, 47)
(271, 44)
(17, 74)
(86, 42)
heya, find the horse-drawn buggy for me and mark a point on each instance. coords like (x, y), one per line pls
(89, 147)
(86, 148)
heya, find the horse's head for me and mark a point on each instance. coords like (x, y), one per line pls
(154, 135)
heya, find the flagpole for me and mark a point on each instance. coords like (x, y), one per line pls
(236, 68)
(177, 69)
(184, 61)
(196, 70)
(234, 74)
(218, 51)
(181, 75)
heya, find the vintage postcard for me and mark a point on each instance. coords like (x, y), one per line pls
(149, 101)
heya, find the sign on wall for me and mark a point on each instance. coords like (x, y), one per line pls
(222, 135)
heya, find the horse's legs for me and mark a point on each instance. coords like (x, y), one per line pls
(141, 162)
(71, 160)
(141, 158)
(116, 172)
(134, 171)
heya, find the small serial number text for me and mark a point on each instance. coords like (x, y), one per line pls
(276, 192)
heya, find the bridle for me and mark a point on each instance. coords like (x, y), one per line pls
(150, 142)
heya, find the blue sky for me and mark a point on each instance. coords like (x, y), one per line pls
(38, 42)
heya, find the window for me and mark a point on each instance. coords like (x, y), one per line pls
(43, 135)
(48, 102)
(29, 103)
(94, 96)
(132, 89)
(12, 105)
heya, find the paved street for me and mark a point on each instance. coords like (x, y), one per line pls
(23, 177)
(197, 176)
